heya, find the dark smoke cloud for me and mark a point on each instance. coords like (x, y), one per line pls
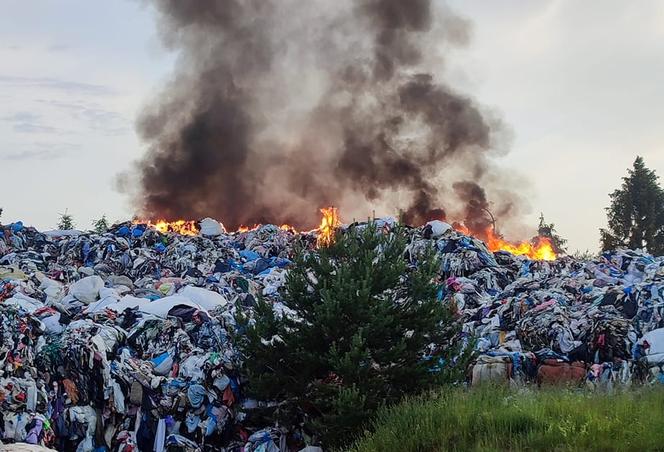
(279, 107)
(476, 217)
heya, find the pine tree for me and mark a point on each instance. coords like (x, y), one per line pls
(101, 225)
(636, 214)
(364, 329)
(548, 230)
(66, 222)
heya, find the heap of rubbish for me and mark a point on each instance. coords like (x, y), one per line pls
(122, 341)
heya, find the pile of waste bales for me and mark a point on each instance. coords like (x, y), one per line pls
(123, 341)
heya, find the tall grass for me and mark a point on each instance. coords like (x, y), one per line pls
(491, 419)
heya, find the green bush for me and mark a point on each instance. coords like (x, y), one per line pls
(365, 329)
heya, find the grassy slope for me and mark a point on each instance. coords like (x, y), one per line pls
(500, 419)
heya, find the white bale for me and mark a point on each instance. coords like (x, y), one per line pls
(28, 304)
(438, 228)
(87, 289)
(204, 297)
(656, 340)
(161, 306)
(211, 227)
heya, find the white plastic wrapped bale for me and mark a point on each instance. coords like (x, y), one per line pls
(128, 301)
(438, 228)
(54, 290)
(491, 370)
(161, 306)
(87, 289)
(385, 222)
(204, 297)
(28, 304)
(656, 340)
(211, 228)
(107, 298)
(52, 323)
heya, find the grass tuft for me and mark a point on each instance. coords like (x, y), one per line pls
(491, 419)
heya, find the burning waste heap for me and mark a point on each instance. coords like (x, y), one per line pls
(123, 339)
(279, 107)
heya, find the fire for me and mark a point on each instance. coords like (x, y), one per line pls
(283, 227)
(289, 228)
(186, 227)
(243, 228)
(328, 225)
(541, 249)
(182, 227)
(461, 228)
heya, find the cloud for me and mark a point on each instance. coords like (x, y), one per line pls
(39, 151)
(22, 116)
(106, 121)
(33, 154)
(97, 118)
(58, 48)
(26, 127)
(28, 122)
(68, 86)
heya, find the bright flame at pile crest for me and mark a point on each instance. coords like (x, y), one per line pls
(328, 225)
(288, 227)
(283, 227)
(243, 229)
(182, 227)
(540, 248)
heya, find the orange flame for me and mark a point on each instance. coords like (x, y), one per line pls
(243, 228)
(540, 248)
(283, 227)
(461, 228)
(182, 227)
(289, 228)
(328, 225)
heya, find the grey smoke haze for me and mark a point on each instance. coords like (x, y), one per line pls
(279, 107)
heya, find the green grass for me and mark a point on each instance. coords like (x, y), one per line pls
(492, 419)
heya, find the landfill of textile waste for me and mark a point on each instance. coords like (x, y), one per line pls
(122, 341)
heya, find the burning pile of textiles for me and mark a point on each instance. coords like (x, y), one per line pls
(125, 340)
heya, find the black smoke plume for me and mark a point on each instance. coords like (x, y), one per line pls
(279, 107)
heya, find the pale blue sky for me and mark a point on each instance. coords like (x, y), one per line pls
(579, 84)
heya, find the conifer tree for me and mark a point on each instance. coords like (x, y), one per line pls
(636, 214)
(364, 328)
(66, 222)
(101, 225)
(548, 230)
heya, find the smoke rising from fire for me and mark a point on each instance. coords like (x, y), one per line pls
(279, 107)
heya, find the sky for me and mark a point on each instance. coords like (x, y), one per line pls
(579, 84)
